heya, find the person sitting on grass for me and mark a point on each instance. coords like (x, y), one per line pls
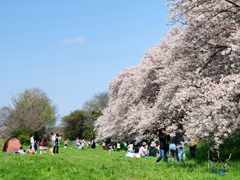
(134, 153)
(93, 144)
(110, 146)
(130, 147)
(125, 146)
(153, 150)
(65, 144)
(21, 151)
(144, 150)
(30, 151)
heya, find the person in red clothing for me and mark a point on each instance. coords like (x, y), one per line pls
(43, 146)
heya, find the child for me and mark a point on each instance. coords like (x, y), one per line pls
(45, 146)
(35, 146)
(51, 150)
(77, 142)
(41, 146)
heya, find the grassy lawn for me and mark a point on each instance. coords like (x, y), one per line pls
(98, 164)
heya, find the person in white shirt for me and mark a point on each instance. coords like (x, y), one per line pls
(32, 142)
(143, 151)
(118, 146)
(130, 147)
(52, 142)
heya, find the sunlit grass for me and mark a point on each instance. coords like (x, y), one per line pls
(98, 164)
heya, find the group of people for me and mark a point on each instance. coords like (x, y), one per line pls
(109, 146)
(176, 146)
(81, 142)
(43, 145)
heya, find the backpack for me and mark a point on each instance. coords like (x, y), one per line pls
(41, 143)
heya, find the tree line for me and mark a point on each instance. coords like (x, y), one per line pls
(32, 112)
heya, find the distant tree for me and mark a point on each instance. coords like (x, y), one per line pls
(4, 115)
(32, 110)
(93, 109)
(97, 103)
(74, 124)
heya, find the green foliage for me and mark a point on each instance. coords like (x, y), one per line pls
(95, 114)
(74, 124)
(24, 139)
(89, 133)
(22, 134)
(32, 110)
(22, 131)
(232, 145)
(80, 123)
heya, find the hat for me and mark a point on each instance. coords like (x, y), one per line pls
(153, 143)
(144, 143)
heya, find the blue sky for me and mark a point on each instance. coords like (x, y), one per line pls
(72, 49)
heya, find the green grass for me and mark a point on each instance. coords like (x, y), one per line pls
(96, 164)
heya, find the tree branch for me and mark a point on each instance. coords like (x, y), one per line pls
(233, 3)
(209, 60)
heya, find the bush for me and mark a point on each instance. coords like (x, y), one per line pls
(24, 139)
(22, 134)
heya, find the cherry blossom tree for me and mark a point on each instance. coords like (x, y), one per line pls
(190, 77)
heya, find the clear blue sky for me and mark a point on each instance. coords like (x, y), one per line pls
(72, 49)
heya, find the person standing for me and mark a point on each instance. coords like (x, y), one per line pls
(118, 146)
(164, 138)
(83, 143)
(32, 142)
(56, 144)
(180, 143)
(43, 146)
(173, 149)
(52, 142)
(77, 142)
(89, 143)
(193, 146)
(35, 146)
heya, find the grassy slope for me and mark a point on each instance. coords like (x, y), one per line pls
(98, 164)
